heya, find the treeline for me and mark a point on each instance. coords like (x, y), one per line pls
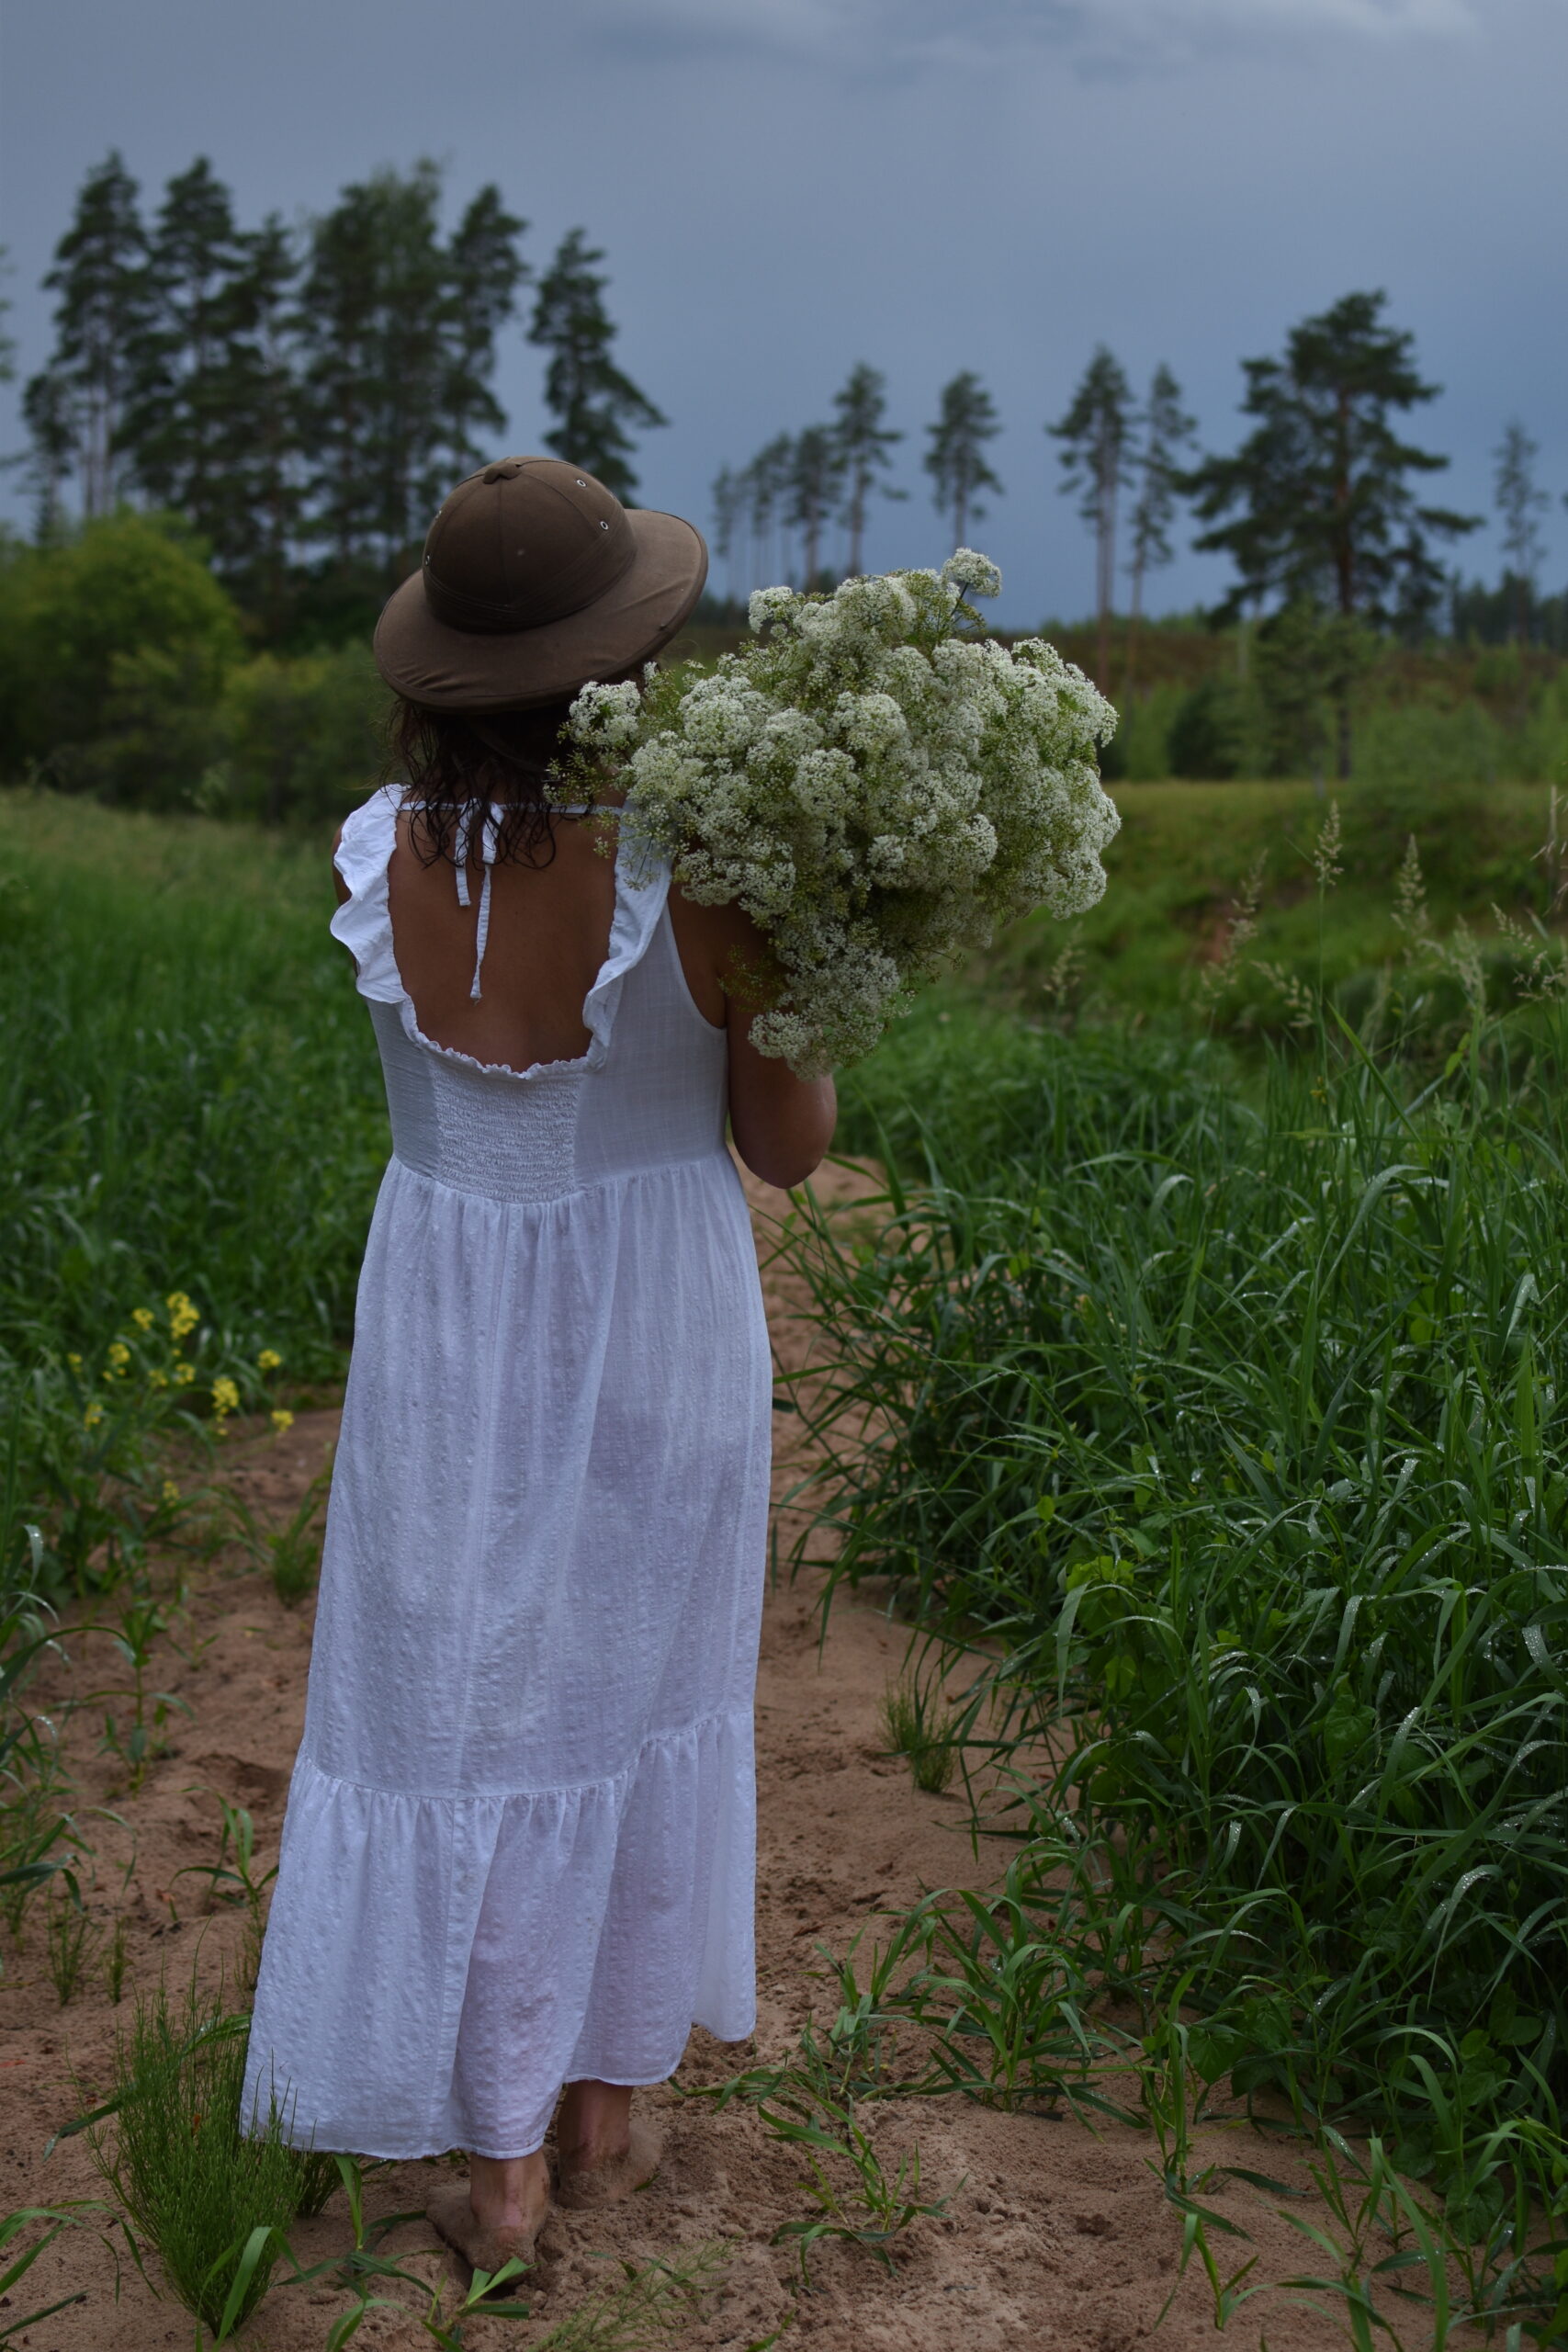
(1320, 509)
(240, 431)
(304, 399)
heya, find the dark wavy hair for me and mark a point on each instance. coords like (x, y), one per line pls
(448, 760)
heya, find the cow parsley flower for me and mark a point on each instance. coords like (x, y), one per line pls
(976, 575)
(878, 792)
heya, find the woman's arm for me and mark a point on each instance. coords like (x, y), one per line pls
(782, 1124)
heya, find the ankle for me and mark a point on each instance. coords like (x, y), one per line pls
(598, 2142)
(593, 2126)
(508, 2194)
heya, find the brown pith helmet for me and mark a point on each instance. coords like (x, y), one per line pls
(535, 579)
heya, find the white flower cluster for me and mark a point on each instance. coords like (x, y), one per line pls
(876, 791)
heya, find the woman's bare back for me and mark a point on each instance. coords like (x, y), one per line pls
(547, 935)
(546, 939)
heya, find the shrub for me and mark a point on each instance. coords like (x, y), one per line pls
(113, 648)
(302, 737)
(1417, 745)
(1210, 733)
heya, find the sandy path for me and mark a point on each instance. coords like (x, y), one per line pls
(1053, 2236)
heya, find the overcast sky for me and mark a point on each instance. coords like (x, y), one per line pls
(783, 187)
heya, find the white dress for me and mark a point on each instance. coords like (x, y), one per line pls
(519, 1849)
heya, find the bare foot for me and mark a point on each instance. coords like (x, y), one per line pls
(497, 2217)
(593, 2172)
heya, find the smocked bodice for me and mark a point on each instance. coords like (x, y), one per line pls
(650, 1092)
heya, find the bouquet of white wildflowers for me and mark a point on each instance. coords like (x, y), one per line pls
(875, 784)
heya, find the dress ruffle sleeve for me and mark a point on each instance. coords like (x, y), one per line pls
(363, 924)
(642, 886)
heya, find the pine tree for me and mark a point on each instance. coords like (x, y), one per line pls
(957, 459)
(178, 430)
(817, 470)
(397, 331)
(8, 341)
(1520, 503)
(1094, 434)
(48, 415)
(593, 402)
(766, 482)
(265, 455)
(369, 323)
(77, 404)
(1326, 512)
(727, 499)
(864, 448)
(485, 269)
(1165, 428)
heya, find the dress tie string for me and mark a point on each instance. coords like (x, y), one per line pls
(489, 828)
(487, 851)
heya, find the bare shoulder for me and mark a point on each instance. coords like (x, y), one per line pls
(721, 951)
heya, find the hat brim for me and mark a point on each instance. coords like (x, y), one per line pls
(428, 661)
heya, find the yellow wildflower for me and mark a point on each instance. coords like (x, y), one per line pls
(119, 1355)
(92, 1415)
(184, 1372)
(143, 1317)
(75, 1362)
(282, 1421)
(157, 1377)
(269, 1360)
(225, 1395)
(171, 1492)
(183, 1316)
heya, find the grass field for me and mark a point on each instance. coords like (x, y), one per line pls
(190, 1097)
(1187, 852)
(1215, 1333)
(1223, 1438)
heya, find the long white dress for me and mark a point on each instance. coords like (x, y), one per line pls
(519, 1847)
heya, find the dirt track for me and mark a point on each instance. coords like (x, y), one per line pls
(1053, 2236)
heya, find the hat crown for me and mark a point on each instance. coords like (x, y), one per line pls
(522, 542)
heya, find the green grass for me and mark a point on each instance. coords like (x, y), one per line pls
(190, 1097)
(1183, 857)
(919, 1726)
(1224, 1427)
(192, 1109)
(210, 2191)
(1221, 1390)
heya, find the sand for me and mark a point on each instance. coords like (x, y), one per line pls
(1054, 2234)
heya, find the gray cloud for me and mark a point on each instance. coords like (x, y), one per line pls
(1121, 35)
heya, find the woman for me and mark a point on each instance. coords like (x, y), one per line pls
(519, 1851)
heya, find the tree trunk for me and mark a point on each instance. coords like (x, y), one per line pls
(1105, 567)
(1134, 620)
(1342, 735)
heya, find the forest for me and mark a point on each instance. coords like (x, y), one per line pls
(240, 431)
